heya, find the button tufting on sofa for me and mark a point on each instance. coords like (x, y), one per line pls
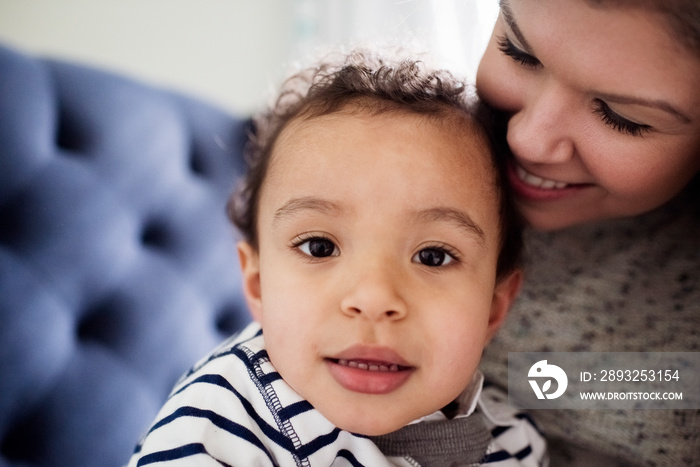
(118, 268)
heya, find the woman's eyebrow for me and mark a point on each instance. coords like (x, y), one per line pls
(657, 104)
(510, 20)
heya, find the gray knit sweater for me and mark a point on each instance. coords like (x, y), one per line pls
(623, 285)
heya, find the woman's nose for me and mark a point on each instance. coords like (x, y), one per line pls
(374, 293)
(539, 131)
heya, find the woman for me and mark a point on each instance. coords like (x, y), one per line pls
(603, 103)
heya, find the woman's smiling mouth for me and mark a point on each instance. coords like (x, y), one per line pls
(531, 187)
(538, 182)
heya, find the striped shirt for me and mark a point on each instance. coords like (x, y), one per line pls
(234, 409)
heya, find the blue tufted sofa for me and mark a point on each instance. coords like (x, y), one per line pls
(117, 264)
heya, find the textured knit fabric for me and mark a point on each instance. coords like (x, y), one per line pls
(233, 409)
(626, 285)
(462, 440)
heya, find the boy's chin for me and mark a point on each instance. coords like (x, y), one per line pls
(376, 424)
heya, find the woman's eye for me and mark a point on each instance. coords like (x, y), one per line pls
(433, 257)
(618, 122)
(506, 46)
(318, 247)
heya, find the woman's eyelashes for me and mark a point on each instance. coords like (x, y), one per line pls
(618, 122)
(607, 115)
(506, 46)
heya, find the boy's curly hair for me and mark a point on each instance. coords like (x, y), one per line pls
(375, 83)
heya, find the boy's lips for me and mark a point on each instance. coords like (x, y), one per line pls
(369, 370)
(532, 187)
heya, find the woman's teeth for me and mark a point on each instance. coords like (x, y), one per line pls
(369, 366)
(538, 182)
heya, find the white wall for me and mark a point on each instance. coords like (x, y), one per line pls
(235, 52)
(227, 51)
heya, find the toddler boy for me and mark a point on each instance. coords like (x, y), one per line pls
(379, 256)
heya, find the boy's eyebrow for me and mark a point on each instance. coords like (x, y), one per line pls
(460, 218)
(305, 203)
(437, 214)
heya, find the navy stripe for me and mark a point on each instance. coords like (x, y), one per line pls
(252, 363)
(223, 352)
(269, 378)
(319, 442)
(235, 350)
(347, 455)
(251, 359)
(214, 379)
(261, 355)
(523, 453)
(504, 455)
(177, 453)
(295, 409)
(266, 428)
(496, 457)
(223, 423)
(303, 451)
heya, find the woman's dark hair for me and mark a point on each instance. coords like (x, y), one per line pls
(377, 84)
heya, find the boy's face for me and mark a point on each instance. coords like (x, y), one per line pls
(374, 279)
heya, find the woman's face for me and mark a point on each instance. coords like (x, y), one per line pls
(604, 109)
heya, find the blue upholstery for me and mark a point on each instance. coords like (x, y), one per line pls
(118, 268)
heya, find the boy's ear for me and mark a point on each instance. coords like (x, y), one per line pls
(250, 269)
(503, 296)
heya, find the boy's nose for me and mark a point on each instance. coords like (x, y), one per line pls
(374, 293)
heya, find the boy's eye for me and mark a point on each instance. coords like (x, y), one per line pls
(506, 46)
(433, 257)
(318, 247)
